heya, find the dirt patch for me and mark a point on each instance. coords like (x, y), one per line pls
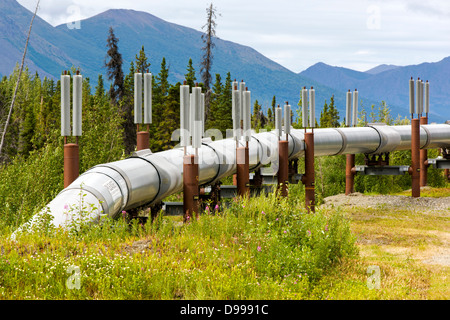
(435, 248)
(439, 254)
(138, 246)
(441, 258)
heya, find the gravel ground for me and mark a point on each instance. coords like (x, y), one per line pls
(426, 205)
(434, 254)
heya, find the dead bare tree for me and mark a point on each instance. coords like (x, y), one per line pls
(205, 65)
(18, 81)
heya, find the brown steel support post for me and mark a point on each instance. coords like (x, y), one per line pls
(423, 159)
(349, 174)
(235, 179)
(308, 178)
(415, 158)
(142, 139)
(283, 167)
(242, 171)
(71, 163)
(190, 187)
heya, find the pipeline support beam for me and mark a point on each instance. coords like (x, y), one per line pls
(423, 159)
(283, 167)
(349, 174)
(242, 171)
(190, 187)
(415, 158)
(308, 178)
(71, 163)
(142, 140)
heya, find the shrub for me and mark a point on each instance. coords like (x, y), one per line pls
(286, 240)
(29, 184)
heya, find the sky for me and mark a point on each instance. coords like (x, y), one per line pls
(356, 34)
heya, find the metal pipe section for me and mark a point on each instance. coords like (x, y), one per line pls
(304, 107)
(312, 108)
(147, 178)
(77, 104)
(147, 98)
(65, 105)
(137, 98)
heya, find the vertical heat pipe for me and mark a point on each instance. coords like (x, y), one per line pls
(349, 158)
(424, 152)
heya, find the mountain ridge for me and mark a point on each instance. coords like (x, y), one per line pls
(381, 68)
(53, 49)
(391, 83)
(86, 48)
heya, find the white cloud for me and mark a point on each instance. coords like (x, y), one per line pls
(362, 52)
(432, 8)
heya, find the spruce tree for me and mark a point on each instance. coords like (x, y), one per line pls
(217, 88)
(114, 68)
(18, 138)
(102, 137)
(165, 105)
(141, 63)
(329, 116)
(100, 89)
(211, 123)
(333, 114)
(206, 63)
(190, 75)
(127, 107)
(161, 81)
(324, 116)
(221, 118)
(27, 132)
(298, 124)
(167, 120)
(269, 115)
(274, 103)
(225, 106)
(256, 115)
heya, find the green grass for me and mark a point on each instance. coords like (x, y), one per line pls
(401, 241)
(427, 192)
(258, 248)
